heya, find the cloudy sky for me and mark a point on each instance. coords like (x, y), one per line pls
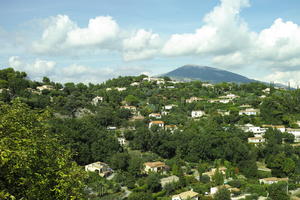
(91, 41)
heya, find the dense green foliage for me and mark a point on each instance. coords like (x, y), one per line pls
(46, 133)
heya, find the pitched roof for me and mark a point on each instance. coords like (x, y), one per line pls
(157, 122)
(155, 164)
(186, 195)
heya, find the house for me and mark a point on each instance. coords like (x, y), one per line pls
(223, 112)
(158, 166)
(207, 85)
(100, 167)
(257, 130)
(131, 108)
(295, 132)
(155, 115)
(197, 113)
(267, 90)
(121, 89)
(160, 124)
(249, 111)
(108, 89)
(137, 117)
(111, 128)
(212, 172)
(135, 84)
(224, 100)
(245, 106)
(122, 141)
(281, 128)
(164, 112)
(169, 107)
(171, 127)
(272, 180)
(96, 100)
(186, 195)
(45, 87)
(168, 180)
(193, 99)
(256, 140)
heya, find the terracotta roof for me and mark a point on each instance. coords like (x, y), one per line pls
(157, 122)
(155, 164)
(186, 195)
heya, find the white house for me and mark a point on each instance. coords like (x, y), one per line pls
(96, 100)
(135, 84)
(223, 112)
(169, 107)
(155, 167)
(122, 141)
(100, 167)
(45, 87)
(186, 195)
(197, 113)
(193, 99)
(281, 128)
(272, 180)
(207, 85)
(225, 100)
(249, 111)
(257, 130)
(131, 108)
(121, 89)
(295, 132)
(155, 115)
(267, 90)
(160, 124)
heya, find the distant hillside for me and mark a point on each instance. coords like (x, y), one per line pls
(204, 73)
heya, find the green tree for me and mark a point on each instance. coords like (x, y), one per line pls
(222, 194)
(278, 191)
(33, 164)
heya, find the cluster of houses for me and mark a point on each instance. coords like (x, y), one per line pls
(260, 131)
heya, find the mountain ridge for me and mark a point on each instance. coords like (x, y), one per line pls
(207, 74)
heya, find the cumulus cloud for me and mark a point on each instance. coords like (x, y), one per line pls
(141, 45)
(102, 33)
(291, 77)
(220, 34)
(62, 34)
(38, 68)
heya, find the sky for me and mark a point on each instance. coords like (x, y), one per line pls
(95, 40)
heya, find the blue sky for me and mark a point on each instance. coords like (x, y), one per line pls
(99, 39)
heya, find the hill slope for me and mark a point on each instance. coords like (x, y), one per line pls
(204, 73)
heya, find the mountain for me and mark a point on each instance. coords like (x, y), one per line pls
(207, 74)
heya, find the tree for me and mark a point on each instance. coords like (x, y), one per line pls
(153, 183)
(278, 191)
(140, 196)
(222, 194)
(218, 178)
(132, 100)
(33, 164)
(120, 161)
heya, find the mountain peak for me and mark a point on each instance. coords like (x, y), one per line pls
(207, 74)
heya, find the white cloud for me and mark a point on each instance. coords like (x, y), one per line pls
(37, 69)
(100, 30)
(291, 77)
(63, 35)
(141, 45)
(221, 33)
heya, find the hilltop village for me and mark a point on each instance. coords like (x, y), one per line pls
(148, 138)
